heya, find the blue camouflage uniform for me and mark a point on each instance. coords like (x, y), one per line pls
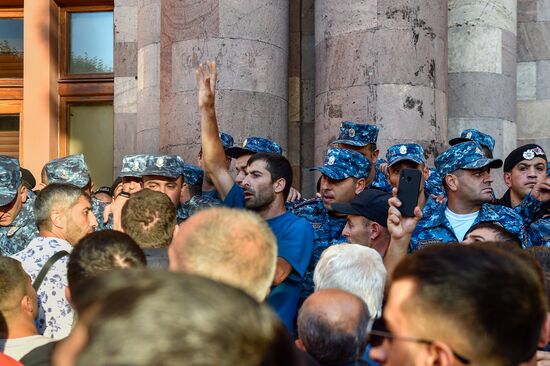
(339, 164)
(361, 135)
(472, 134)
(169, 166)
(73, 170)
(434, 225)
(15, 236)
(133, 166)
(193, 175)
(253, 145)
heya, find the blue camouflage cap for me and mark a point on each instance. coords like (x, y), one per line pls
(472, 134)
(410, 152)
(253, 145)
(192, 174)
(357, 134)
(70, 169)
(344, 163)
(227, 140)
(133, 165)
(465, 155)
(170, 166)
(10, 179)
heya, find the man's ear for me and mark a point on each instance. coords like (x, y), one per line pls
(68, 296)
(27, 305)
(58, 218)
(425, 172)
(360, 185)
(375, 154)
(545, 332)
(24, 193)
(279, 185)
(375, 230)
(507, 179)
(440, 354)
(300, 345)
(452, 182)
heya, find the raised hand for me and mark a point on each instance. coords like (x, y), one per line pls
(401, 227)
(541, 190)
(206, 82)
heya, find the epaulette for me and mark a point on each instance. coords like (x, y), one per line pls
(306, 202)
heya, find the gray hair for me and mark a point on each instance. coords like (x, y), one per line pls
(55, 195)
(354, 268)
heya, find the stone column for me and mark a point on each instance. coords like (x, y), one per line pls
(382, 62)
(125, 82)
(533, 89)
(249, 41)
(148, 77)
(482, 71)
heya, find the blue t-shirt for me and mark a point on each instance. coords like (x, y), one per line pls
(212, 194)
(295, 245)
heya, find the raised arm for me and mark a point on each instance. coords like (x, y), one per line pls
(213, 153)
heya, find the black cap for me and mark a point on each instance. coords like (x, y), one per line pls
(28, 179)
(525, 152)
(371, 203)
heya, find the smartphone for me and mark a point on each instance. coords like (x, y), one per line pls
(408, 190)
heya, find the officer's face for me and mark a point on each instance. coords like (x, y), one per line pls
(80, 220)
(525, 175)
(394, 171)
(474, 185)
(169, 186)
(131, 184)
(480, 234)
(338, 190)
(258, 188)
(9, 212)
(240, 166)
(356, 230)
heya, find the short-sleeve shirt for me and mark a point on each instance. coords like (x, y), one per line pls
(55, 315)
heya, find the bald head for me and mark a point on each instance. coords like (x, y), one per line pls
(333, 325)
(227, 245)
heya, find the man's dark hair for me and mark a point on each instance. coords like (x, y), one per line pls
(542, 256)
(99, 252)
(502, 235)
(195, 189)
(372, 147)
(477, 287)
(278, 166)
(330, 343)
(199, 322)
(149, 217)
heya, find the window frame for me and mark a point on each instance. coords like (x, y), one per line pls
(13, 82)
(64, 28)
(15, 106)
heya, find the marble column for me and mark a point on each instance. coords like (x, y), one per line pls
(148, 77)
(482, 71)
(533, 78)
(125, 80)
(249, 41)
(382, 62)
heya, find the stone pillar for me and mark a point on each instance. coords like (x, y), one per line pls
(382, 62)
(249, 41)
(482, 71)
(148, 77)
(125, 82)
(533, 88)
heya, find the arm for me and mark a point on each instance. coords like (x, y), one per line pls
(282, 271)
(212, 149)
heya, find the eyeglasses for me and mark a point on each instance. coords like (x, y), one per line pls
(376, 337)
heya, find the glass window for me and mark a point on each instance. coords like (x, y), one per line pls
(11, 48)
(9, 134)
(91, 42)
(90, 132)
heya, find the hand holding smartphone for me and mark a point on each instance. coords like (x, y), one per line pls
(408, 190)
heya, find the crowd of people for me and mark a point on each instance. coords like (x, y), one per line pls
(182, 264)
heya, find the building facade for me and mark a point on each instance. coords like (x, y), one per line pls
(113, 78)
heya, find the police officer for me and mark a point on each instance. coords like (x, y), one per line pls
(526, 175)
(362, 137)
(165, 174)
(17, 220)
(73, 170)
(344, 175)
(131, 172)
(466, 173)
(208, 188)
(192, 200)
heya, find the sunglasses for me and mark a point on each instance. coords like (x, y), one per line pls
(378, 332)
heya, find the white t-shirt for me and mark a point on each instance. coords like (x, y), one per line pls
(460, 223)
(18, 347)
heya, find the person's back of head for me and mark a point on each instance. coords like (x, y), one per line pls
(99, 252)
(17, 298)
(479, 290)
(163, 318)
(333, 325)
(228, 245)
(149, 217)
(354, 268)
(542, 256)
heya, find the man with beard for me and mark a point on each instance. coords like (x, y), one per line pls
(64, 216)
(264, 190)
(465, 171)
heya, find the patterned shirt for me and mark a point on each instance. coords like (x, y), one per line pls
(55, 315)
(15, 237)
